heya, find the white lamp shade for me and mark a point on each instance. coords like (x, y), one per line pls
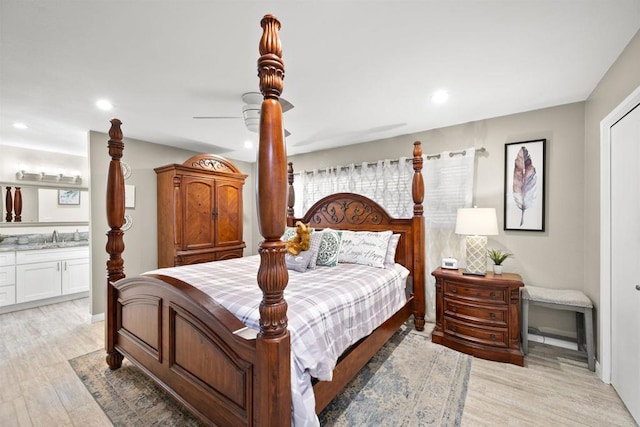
(477, 222)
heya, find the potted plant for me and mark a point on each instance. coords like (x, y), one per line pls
(498, 257)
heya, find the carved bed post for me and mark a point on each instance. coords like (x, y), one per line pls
(417, 191)
(273, 373)
(291, 199)
(115, 242)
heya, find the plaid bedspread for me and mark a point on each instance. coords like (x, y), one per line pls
(329, 309)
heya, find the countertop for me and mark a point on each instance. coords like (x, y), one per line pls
(10, 247)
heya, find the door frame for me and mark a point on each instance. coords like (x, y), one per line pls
(605, 312)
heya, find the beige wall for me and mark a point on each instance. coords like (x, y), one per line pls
(141, 239)
(553, 258)
(619, 82)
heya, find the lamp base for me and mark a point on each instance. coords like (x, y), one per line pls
(476, 255)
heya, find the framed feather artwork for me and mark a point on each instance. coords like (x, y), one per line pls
(524, 177)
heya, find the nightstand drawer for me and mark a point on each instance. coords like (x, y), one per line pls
(476, 293)
(495, 337)
(489, 315)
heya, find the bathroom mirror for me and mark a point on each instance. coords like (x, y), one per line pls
(47, 204)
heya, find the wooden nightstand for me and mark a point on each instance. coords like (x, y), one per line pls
(479, 315)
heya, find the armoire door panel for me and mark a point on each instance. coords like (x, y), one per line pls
(199, 207)
(229, 214)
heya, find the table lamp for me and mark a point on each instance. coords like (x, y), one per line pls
(476, 224)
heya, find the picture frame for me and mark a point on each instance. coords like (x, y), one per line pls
(130, 196)
(524, 185)
(68, 197)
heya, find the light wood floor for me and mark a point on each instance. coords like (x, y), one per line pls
(39, 388)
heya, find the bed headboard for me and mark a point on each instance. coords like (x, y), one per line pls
(347, 211)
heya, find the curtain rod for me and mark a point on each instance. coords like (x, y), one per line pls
(428, 157)
(454, 153)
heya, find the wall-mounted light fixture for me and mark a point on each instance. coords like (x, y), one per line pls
(43, 177)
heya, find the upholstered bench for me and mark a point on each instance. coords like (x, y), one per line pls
(561, 299)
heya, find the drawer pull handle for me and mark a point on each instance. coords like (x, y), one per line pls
(454, 328)
(492, 295)
(493, 337)
(492, 315)
(454, 309)
(454, 290)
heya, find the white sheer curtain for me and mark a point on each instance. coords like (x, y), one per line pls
(448, 186)
(388, 182)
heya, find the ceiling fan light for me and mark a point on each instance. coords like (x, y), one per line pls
(251, 114)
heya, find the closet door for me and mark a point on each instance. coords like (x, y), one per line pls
(198, 202)
(228, 214)
(625, 247)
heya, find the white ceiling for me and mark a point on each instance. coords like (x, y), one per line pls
(356, 71)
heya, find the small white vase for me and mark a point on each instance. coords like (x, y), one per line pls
(497, 269)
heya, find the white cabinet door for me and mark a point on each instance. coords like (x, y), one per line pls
(7, 285)
(75, 276)
(7, 295)
(38, 281)
(7, 275)
(7, 258)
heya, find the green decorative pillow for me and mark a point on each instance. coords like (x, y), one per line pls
(329, 248)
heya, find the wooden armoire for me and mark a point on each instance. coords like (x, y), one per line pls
(199, 211)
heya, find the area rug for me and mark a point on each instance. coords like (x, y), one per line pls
(409, 382)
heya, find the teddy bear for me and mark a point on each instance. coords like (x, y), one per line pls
(300, 241)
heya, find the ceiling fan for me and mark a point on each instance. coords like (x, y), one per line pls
(252, 102)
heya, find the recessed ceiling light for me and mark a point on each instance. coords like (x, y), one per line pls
(248, 144)
(439, 96)
(20, 126)
(104, 105)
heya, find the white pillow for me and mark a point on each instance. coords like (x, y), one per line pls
(364, 247)
(390, 258)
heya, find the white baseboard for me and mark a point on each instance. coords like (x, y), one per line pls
(97, 318)
(553, 341)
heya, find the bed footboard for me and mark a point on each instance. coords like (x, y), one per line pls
(185, 342)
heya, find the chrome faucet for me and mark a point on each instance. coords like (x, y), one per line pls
(54, 236)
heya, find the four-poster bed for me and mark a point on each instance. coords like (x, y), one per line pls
(187, 340)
